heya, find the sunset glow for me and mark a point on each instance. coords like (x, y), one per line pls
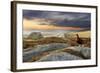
(34, 24)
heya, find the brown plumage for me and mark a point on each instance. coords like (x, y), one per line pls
(79, 40)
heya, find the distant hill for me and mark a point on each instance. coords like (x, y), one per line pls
(85, 34)
(82, 34)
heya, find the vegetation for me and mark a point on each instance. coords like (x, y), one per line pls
(39, 48)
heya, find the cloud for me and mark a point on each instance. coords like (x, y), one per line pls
(35, 24)
(56, 15)
(62, 19)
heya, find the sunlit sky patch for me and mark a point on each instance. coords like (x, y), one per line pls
(54, 20)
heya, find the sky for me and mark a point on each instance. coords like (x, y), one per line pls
(55, 20)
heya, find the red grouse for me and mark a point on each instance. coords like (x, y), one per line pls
(79, 40)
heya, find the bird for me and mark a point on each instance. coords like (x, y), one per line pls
(79, 40)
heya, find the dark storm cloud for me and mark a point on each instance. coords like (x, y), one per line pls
(72, 19)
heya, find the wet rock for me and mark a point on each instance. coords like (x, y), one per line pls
(59, 56)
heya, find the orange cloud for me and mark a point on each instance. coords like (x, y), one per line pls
(35, 24)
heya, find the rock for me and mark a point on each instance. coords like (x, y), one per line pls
(30, 52)
(52, 46)
(69, 36)
(59, 56)
(35, 35)
(86, 53)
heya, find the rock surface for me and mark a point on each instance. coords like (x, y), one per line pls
(35, 35)
(59, 56)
